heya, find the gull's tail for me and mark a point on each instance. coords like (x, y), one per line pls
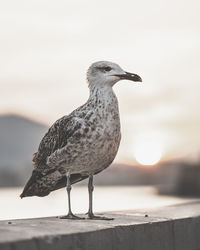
(32, 187)
(41, 185)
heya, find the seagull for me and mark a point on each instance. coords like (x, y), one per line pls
(83, 143)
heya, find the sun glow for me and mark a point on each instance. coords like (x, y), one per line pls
(148, 152)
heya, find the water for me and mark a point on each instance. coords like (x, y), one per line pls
(105, 199)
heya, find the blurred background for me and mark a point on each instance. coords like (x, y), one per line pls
(46, 48)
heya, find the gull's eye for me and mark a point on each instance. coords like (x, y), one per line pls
(107, 68)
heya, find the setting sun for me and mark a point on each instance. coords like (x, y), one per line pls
(148, 153)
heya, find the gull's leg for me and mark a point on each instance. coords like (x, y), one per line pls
(70, 215)
(90, 211)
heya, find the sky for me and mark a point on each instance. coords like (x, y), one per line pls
(46, 48)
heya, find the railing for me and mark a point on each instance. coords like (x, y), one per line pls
(167, 228)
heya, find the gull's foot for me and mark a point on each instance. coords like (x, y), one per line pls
(94, 217)
(71, 217)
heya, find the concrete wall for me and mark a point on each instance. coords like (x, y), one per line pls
(167, 228)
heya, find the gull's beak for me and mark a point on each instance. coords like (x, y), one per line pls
(130, 76)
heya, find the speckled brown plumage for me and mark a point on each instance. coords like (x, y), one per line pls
(83, 143)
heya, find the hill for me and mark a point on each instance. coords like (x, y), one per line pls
(19, 139)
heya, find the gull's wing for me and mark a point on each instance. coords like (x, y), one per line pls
(54, 140)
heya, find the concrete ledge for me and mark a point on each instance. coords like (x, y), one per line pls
(170, 228)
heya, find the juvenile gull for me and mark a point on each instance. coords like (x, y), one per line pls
(83, 143)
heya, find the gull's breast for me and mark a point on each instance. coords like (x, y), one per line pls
(101, 143)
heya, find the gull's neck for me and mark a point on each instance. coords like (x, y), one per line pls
(102, 93)
(104, 101)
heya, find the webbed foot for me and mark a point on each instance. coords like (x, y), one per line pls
(71, 216)
(91, 216)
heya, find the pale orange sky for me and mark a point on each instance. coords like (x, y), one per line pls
(47, 46)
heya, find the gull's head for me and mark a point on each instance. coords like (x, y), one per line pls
(108, 73)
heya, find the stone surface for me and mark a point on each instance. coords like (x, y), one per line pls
(171, 228)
